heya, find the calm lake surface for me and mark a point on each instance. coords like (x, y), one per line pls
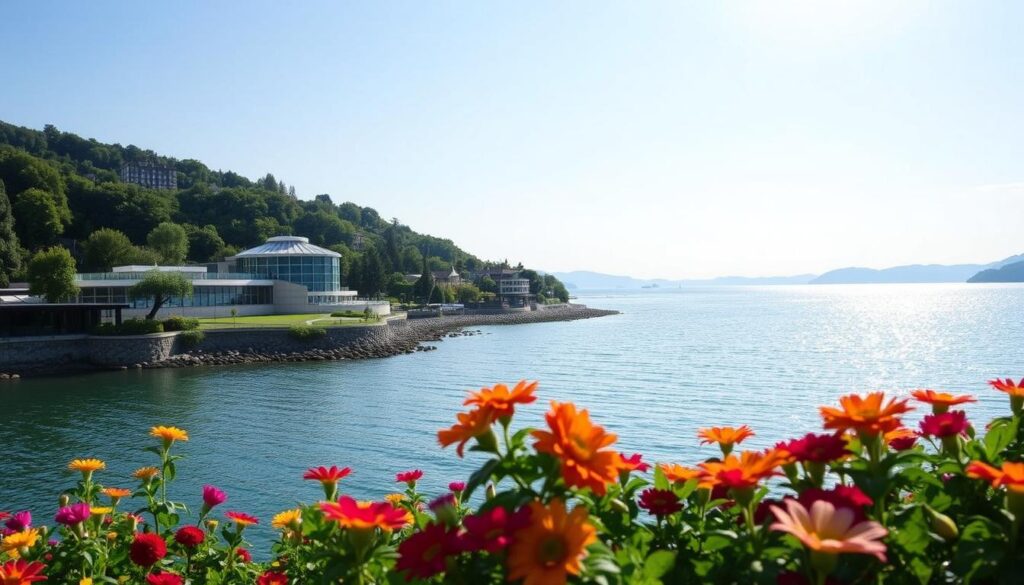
(674, 360)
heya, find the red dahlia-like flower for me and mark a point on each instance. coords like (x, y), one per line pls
(272, 578)
(840, 496)
(189, 536)
(147, 549)
(408, 476)
(817, 448)
(243, 555)
(492, 530)
(423, 554)
(330, 474)
(457, 486)
(635, 463)
(241, 519)
(660, 502)
(947, 424)
(163, 579)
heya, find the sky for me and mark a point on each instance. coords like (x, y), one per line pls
(653, 139)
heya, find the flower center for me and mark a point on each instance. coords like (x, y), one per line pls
(551, 551)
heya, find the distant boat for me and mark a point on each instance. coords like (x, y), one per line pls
(655, 285)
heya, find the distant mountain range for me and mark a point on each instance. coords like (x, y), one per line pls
(992, 272)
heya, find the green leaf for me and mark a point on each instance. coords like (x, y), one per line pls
(998, 438)
(479, 477)
(981, 547)
(659, 563)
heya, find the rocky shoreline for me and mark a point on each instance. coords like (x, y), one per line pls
(398, 336)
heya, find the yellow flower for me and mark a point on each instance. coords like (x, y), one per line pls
(287, 519)
(86, 465)
(100, 510)
(394, 499)
(19, 540)
(168, 434)
(85, 581)
(146, 473)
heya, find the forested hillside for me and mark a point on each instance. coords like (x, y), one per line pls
(64, 189)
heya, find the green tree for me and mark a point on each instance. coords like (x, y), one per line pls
(38, 218)
(487, 284)
(142, 256)
(10, 248)
(106, 248)
(170, 241)
(425, 283)
(204, 243)
(161, 286)
(467, 293)
(398, 286)
(373, 275)
(51, 274)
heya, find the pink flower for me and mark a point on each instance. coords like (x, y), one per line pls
(408, 476)
(635, 463)
(840, 496)
(19, 521)
(445, 501)
(830, 531)
(73, 514)
(457, 486)
(492, 530)
(213, 496)
(947, 424)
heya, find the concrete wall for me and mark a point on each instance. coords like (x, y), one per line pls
(118, 350)
(27, 353)
(279, 341)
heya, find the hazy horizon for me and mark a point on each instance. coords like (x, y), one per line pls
(655, 140)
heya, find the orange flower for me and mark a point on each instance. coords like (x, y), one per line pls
(146, 473)
(168, 434)
(21, 572)
(1014, 389)
(241, 519)
(472, 424)
(551, 546)
(1011, 475)
(743, 472)
(116, 493)
(87, 465)
(365, 515)
(677, 473)
(726, 437)
(940, 401)
(579, 445)
(869, 415)
(500, 400)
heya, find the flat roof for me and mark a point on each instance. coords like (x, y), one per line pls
(52, 306)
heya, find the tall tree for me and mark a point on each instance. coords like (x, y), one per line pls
(425, 284)
(38, 218)
(106, 248)
(10, 248)
(170, 241)
(391, 247)
(51, 274)
(161, 286)
(374, 275)
(204, 243)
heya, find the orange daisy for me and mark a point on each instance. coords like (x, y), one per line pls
(678, 473)
(500, 400)
(743, 472)
(580, 447)
(1011, 475)
(168, 434)
(349, 513)
(551, 546)
(869, 415)
(726, 437)
(1009, 386)
(471, 425)
(146, 473)
(112, 492)
(87, 465)
(941, 401)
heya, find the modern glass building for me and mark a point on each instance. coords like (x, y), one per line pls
(294, 259)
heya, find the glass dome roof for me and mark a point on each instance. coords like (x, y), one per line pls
(287, 246)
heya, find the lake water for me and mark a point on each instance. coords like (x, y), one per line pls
(675, 360)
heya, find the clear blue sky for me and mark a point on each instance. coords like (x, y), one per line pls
(655, 139)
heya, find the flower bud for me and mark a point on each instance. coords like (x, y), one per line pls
(619, 506)
(64, 500)
(492, 492)
(943, 525)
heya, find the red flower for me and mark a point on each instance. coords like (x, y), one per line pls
(241, 519)
(423, 554)
(272, 578)
(1009, 386)
(492, 530)
(457, 486)
(21, 572)
(817, 448)
(326, 475)
(163, 579)
(408, 476)
(841, 496)
(147, 549)
(635, 463)
(243, 555)
(947, 424)
(660, 502)
(189, 536)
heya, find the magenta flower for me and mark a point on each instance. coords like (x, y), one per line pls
(409, 477)
(73, 514)
(457, 486)
(19, 521)
(213, 497)
(445, 501)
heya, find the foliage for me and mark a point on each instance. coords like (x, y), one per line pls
(10, 246)
(39, 222)
(170, 241)
(130, 327)
(204, 243)
(160, 286)
(51, 275)
(106, 248)
(192, 338)
(303, 332)
(180, 323)
(868, 502)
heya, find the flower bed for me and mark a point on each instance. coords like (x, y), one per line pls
(869, 501)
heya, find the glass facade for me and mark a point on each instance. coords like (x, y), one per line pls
(316, 273)
(202, 296)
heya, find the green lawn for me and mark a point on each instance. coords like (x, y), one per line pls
(319, 319)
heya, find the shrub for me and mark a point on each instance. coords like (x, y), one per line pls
(179, 323)
(130, 327)
(349, 314)
(868, 501)
(306, 332)
(192, 337)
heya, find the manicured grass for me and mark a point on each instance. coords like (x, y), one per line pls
(318, 319)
